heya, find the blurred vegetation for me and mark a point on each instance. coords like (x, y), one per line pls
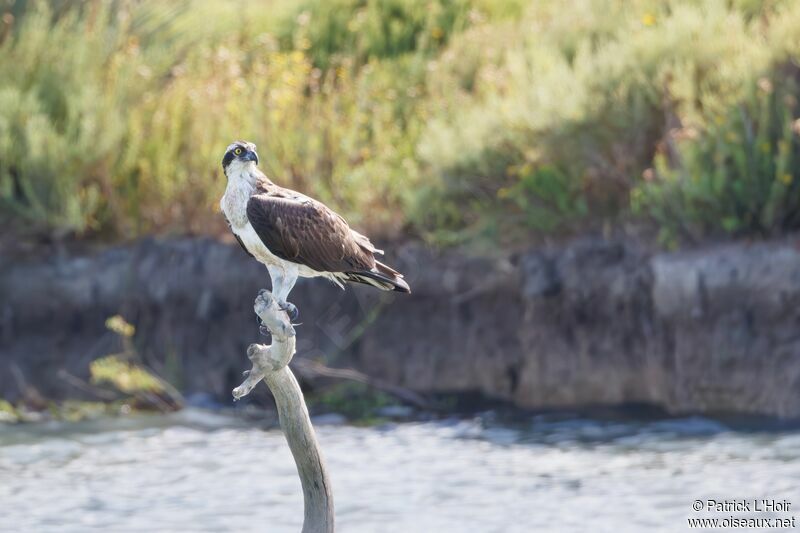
(450, 119)
(127, 378)
(69, 411)
(358, 402)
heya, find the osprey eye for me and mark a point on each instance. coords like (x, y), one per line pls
(238, 151)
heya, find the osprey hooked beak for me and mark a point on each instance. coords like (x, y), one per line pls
(250, 155)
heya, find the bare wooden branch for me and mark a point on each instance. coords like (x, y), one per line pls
(270, 363)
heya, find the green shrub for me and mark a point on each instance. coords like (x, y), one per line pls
(57, 125)
(372, 29)
(561, 123)
(114, 121)
(739, 175)
(453, 119)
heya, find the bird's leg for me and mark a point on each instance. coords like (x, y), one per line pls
(283, 281)
(286, 287)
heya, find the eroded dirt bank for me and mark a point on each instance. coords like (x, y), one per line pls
(593, 322)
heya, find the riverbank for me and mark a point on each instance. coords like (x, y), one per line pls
(591, 322)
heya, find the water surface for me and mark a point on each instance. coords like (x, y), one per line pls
(196, 471)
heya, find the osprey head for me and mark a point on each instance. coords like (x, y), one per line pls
(239, 153)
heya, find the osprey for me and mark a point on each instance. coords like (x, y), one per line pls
(294, 235)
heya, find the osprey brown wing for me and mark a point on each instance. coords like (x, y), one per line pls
(304, 231)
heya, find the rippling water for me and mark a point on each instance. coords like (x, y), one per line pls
(195, 471)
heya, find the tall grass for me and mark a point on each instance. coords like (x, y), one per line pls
(449, 118)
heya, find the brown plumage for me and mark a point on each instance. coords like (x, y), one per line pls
(302, 230)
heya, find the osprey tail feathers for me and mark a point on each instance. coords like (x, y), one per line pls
(382, 277)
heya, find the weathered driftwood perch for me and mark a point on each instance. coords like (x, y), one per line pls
(271, 363)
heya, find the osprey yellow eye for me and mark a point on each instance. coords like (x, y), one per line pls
(238, 151)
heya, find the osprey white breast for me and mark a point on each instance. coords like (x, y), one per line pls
(234, 207)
